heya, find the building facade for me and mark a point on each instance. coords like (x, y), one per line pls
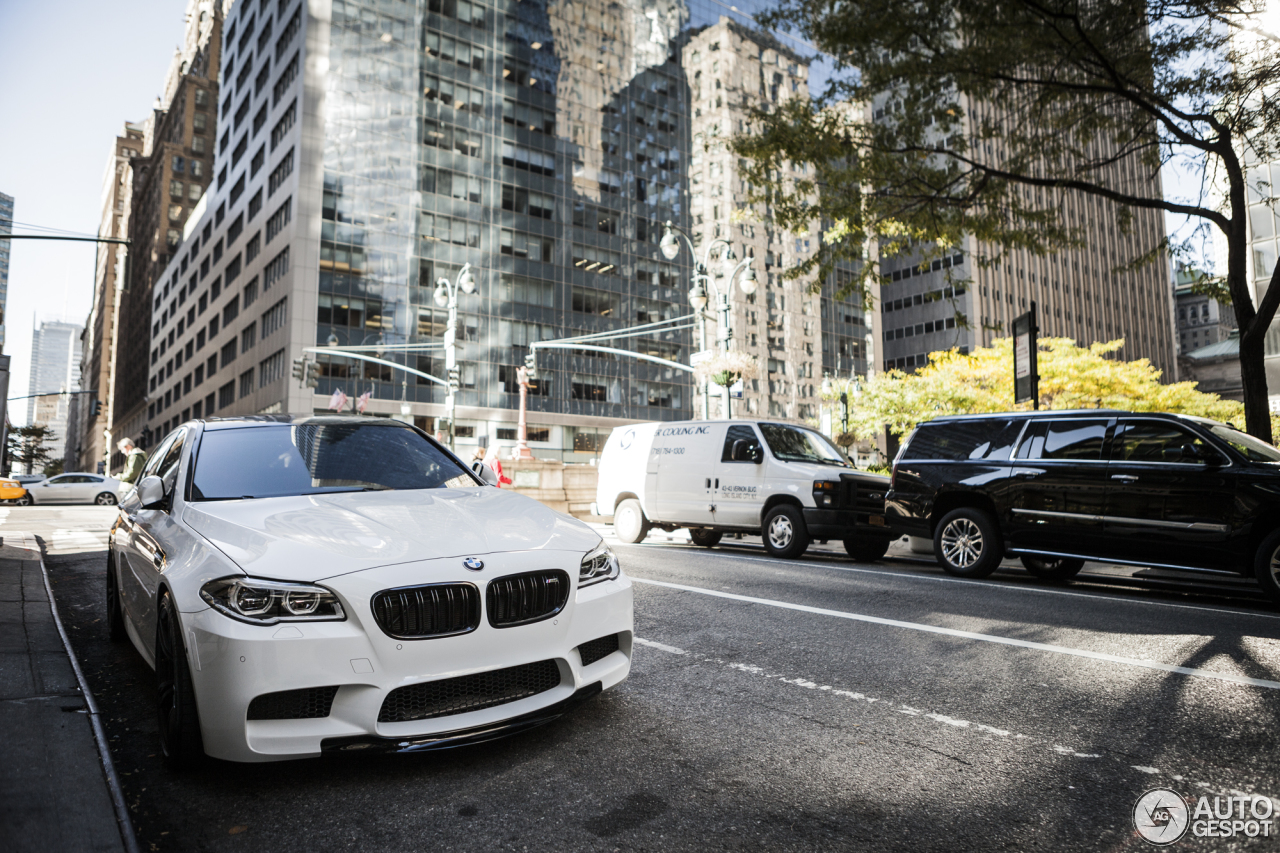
(99, 339)
(55, 370)
(163, 186)
(1200, 319)
(6, 227)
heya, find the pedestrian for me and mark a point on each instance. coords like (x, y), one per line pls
(491, 459)
(134, 458)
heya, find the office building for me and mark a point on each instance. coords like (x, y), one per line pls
(6, 227)
(55, 370)
(99, 340)
(164, 185)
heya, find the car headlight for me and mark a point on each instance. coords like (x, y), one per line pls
(264, 602)
(600, 564)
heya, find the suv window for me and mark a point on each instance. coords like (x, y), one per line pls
(1156, 441)
(1075, 439)
(988, 438)
(737, 432)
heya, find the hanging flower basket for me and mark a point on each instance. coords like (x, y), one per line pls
(726, 368)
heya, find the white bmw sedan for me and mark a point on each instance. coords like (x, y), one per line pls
(314, 584)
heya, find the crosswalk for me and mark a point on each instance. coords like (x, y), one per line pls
(63, 530)
(70, 541)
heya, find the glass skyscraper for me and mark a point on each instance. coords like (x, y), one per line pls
(6, 227)
(367, 149)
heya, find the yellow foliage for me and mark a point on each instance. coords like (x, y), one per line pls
(1071, 377)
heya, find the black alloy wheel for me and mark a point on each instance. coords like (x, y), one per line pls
(1053, 568)
(177, 716)
(705, 538)
(967, 543)
(784, 532)
(115, 616)
(867, 549)
(1266, 567)
(629, 522)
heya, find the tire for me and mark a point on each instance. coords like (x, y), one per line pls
(967, 543)
(1053, 568)
(115, 616)
(629, 522)
(1266, 567)
(177, 715)
(784, 532)
(867, 550)
(106, 499)
(705, 538)
(25, 500)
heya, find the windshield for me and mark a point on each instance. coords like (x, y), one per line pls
(1253, 449)
(792, 444)
(307, 459)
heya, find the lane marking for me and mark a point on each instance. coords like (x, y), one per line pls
(942, 719)
(972, 635)
(987, 584)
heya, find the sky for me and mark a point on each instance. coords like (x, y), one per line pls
(74, 71)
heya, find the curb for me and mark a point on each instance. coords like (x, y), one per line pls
(123, 822)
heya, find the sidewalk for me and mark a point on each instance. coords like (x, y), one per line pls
(53, 790)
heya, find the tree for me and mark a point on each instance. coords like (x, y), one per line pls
(28, 446)
(1071, 377)
(1077, 88)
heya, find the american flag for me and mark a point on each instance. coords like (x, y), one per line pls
(338, 401)
(362, 401)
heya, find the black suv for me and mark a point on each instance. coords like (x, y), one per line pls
(1059, 488)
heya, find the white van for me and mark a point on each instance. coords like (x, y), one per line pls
(786, 483)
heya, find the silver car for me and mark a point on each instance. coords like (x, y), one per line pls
(76, 488)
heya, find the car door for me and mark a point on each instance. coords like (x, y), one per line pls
(156, 532)
(82, 488)
(91, 487)
(738, 485)
(1058, 486)
(54, 490)
(684, 455)
(1170, 496)
(137, 549)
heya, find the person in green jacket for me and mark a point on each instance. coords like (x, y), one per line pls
(135, 458)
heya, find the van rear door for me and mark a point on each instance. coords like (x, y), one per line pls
(683, 456)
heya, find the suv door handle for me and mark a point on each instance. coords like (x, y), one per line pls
(1128, 478)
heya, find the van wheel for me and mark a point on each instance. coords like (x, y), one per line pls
(629, 523)
(784, 532)
(1053, 568)
(967, 543)
(867, 550)
(705, 538)
(1266, 566)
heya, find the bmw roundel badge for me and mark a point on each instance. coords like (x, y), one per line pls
(473, 564)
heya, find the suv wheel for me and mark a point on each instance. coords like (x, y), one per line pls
(705, 538)
(1266, 566)
(867, 550)
(967, 543)
(784, 532)
(1053, 568)
(629, 523)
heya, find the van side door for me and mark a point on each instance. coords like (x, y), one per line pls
(683, 456)
(739, 483)
(1058, 486)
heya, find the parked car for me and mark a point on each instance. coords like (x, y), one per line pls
(787, 483)
(12, 491)
(306, 585)
(77, 488)
(1060, 488)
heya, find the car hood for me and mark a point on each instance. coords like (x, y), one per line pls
(313, 537)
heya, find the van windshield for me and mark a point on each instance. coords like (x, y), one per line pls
(792, 444)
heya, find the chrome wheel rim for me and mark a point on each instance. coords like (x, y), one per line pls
(105, 500)
(962, 544)
(781, 532)
(1275, 567)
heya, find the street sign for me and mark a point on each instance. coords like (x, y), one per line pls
(735, 390)
(1026, 375)
(698, 357)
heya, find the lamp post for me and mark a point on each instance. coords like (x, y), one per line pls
(846, 387)
(446, 295)
(699, 297)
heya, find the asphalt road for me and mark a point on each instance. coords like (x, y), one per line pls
(807, 705)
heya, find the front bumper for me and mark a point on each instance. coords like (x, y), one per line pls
(844, 524)
(233, 662)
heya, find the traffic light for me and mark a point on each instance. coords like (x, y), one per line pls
(531, 365)
(300, 369)
(95, 409)
(454, 378)
(313, 374)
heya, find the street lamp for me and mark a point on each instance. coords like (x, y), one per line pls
(446, 295)
(704, 288)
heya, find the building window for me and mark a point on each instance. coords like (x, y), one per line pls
(529, 246)
(202, 98)
(255, 203)
(597, 260)
(175, 212)
(259, 157)
(175, 189)
(447, 229)
(529, 291)
(228, 352)
(179, 164)
(528, 117)
(271, 369)
(280, 219)
(280, 172)
(284, 125)
(275, 269)
(261, 81)
(248, 337)
(290, 30)
(194, 191)
(520, 157)
(226, 395)
(450, 138)
(234, 229)
(233, 270)
(273, 318)
(252, 248)
(521, 200)
(286, 78)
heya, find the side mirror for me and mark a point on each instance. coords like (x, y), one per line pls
(746, 451)
(485, 473)
(757, 453)
(1191, 453)
(151, 492)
